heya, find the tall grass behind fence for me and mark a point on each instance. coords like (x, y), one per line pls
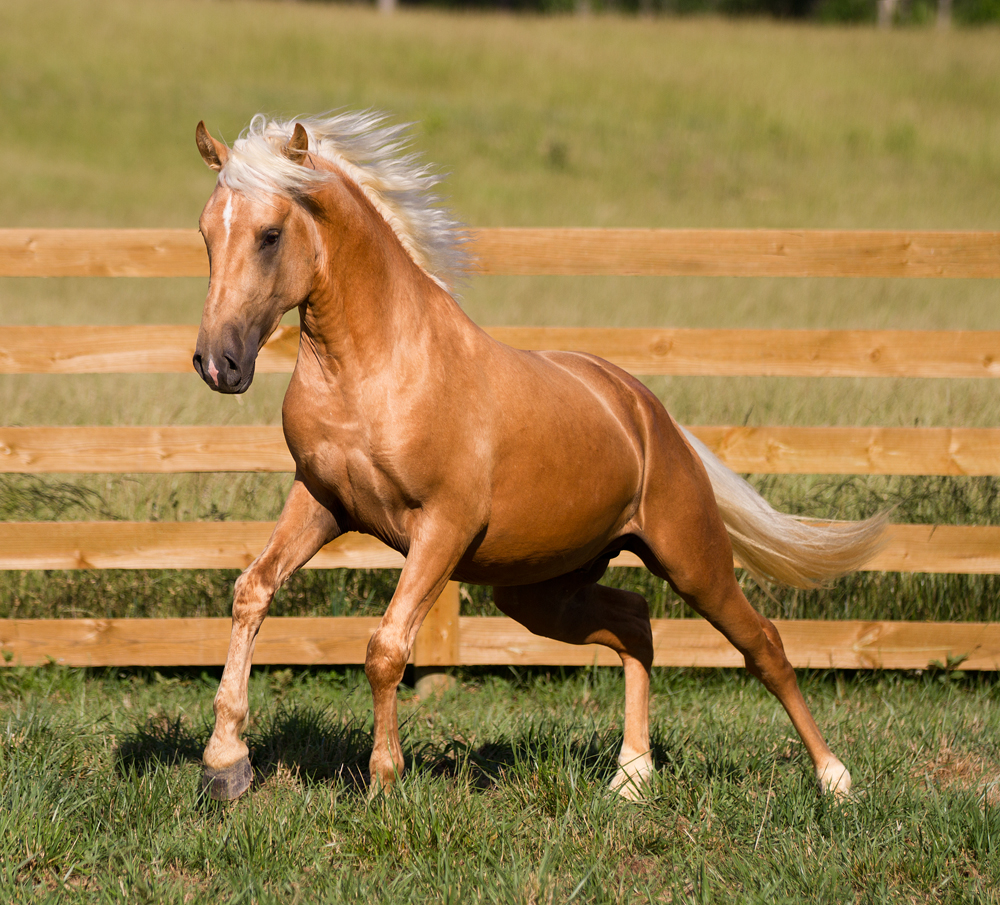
(448, 638)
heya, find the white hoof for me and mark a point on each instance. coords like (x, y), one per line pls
(633, 775)
(834, 778)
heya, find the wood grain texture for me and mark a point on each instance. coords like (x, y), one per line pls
(963, 549)
(168, 545)
(970, 549)
(738, 252)
(658, 252)
(129, 349)
(260, 448)
(694, 643)
(102, 253)
(487, 641)
(855, 450)
(143, 450)
(85, 349)
(641, 350)
(180, 642)
(774, 353)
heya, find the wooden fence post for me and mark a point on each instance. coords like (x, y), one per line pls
(437, 644)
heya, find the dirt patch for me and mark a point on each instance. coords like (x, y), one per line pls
(951, 766)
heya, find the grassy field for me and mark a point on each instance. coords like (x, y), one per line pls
(506, 801)
(597, 121)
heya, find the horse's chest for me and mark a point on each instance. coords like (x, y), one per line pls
(351, 458)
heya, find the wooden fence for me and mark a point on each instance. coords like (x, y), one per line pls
(447, 638)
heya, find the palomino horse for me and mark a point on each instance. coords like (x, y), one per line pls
(527, 471)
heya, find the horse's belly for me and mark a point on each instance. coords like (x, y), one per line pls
(556, 512)
(501, 568)
(546, 541)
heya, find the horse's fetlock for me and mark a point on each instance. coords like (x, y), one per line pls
(227, 713)
(385, 766)
(224, 750)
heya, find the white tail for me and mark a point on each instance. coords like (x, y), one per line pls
(803, 553)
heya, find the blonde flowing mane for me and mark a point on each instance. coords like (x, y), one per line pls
(371, 154)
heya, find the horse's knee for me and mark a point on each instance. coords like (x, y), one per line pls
(252, 595)
(385, 661)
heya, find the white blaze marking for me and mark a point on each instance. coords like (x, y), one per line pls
(213, 371)
(227, 214)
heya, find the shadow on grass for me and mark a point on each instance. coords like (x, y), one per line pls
(547, 748)
(160, 741)
(315, 744)
(322, 747)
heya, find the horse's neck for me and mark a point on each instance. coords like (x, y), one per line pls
(372, 303)
(367, 328)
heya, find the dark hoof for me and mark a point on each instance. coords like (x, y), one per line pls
(228, 783)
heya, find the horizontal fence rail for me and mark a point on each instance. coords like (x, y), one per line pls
(640, 252)
(138, 349)
(968, 549)
(446, 638)
(261, 448)
(490, 641)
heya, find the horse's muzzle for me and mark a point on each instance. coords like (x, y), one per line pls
(228, 369)
(228, 376)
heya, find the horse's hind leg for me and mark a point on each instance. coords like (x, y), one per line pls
(691, 549)
(757, 639)
(589, 613)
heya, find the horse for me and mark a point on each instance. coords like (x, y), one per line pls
(524, 471)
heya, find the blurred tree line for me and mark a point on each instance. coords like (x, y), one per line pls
(884, 12)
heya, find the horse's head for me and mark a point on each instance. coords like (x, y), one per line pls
(261, 250)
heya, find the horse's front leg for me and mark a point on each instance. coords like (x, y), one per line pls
(427, 570)
(304, 527)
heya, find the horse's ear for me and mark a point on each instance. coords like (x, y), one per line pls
(213, 152)
(298, 145)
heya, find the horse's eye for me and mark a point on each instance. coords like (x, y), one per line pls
(270, 238)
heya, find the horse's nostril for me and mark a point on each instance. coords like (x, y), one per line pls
(197, 362)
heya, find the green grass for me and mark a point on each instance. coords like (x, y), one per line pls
(506, 799)
(558, 121)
